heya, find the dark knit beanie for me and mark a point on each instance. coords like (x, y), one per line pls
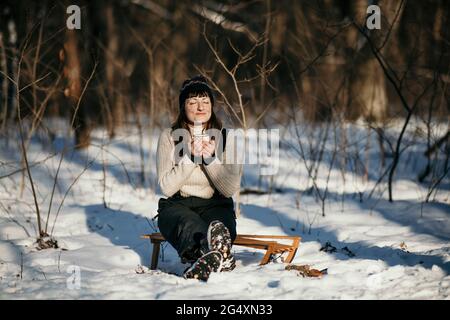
(196, 85)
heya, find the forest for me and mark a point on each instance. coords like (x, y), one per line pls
(359, 91)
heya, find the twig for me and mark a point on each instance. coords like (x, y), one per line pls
(68, 190)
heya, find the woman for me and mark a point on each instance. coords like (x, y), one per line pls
(198, 217)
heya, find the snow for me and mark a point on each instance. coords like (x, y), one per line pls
(400, 250)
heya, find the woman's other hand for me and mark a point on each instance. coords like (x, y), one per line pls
(196, 147)
(209, 148)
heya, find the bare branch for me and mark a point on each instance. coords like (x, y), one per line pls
(222, 21)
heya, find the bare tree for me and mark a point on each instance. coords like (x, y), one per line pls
(396, 82)
(234, 101)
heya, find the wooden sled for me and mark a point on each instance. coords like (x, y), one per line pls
(271, 246)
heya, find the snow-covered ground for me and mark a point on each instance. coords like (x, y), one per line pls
(383, 250)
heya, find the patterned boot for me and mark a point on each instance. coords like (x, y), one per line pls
(219, 239)
(202, 268)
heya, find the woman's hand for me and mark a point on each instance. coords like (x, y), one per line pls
(209, 148)
(196, 147)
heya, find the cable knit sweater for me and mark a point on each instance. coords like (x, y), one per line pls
(193, 179)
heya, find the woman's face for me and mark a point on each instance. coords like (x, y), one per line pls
(198, 109)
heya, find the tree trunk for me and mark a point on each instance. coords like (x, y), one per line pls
(112, 81)
(72, 73)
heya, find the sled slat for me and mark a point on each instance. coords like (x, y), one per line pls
(246, 240)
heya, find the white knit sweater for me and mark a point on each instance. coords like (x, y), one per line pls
(193, 179)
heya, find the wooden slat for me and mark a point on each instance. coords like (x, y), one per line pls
(247, 240)
(266, 236)
(159, 236)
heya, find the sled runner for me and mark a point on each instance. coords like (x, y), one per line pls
(264, 242)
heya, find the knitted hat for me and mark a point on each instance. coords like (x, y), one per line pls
(197, 84)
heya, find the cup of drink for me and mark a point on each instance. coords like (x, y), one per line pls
(202, 137)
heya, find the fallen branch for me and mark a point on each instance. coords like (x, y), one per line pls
(306, 271)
